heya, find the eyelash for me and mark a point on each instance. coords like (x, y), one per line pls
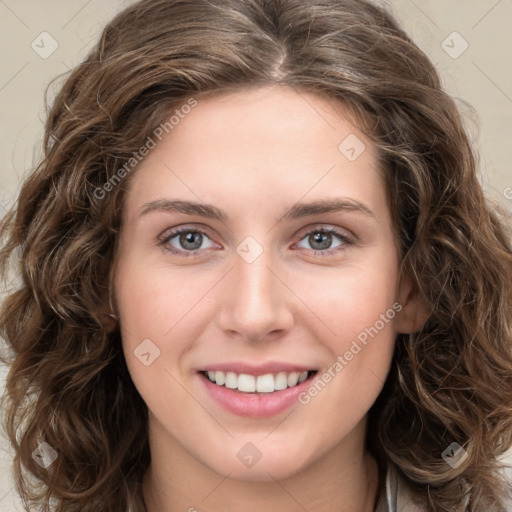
(345, 239)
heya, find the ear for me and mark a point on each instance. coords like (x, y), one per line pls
(109, 321)
(414, 313)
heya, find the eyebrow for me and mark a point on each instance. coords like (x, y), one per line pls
(296, 211)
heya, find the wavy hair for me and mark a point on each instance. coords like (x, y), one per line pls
(68, 384)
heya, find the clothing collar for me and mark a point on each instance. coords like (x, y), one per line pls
(398, 496)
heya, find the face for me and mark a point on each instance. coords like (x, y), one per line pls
(258, 288)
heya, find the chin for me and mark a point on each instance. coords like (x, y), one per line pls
(273, 464)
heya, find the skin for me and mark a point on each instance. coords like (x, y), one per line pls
(254, 154)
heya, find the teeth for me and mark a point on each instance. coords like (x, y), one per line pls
(302, 377)
(220, 378)
(281, 381)
(292, 379)
(267, 383)
(231, 380)
(246, 383)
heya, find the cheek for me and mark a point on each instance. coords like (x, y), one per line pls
(157, 319)
(154, 300)
(162, 312)
(348, 300)
(357, 307)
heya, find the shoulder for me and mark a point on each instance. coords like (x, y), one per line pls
(398, 496)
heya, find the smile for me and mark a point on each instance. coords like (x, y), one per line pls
(261, 396)
(267, 383)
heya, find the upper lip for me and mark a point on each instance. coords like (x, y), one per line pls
(256, 369)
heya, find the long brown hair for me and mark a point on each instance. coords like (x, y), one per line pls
(68, 384)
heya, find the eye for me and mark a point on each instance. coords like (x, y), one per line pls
(321, 239)
(189, 239)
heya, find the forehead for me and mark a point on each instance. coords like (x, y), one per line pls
(263, 142)
(268, 116)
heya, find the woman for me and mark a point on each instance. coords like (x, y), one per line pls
(180, 341)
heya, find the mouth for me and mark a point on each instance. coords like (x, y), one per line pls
(268, 383)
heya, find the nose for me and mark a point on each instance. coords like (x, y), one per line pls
(255, 303)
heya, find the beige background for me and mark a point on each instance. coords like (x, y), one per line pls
(481, 75)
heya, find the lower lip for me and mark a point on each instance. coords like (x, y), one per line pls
(255, 405)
